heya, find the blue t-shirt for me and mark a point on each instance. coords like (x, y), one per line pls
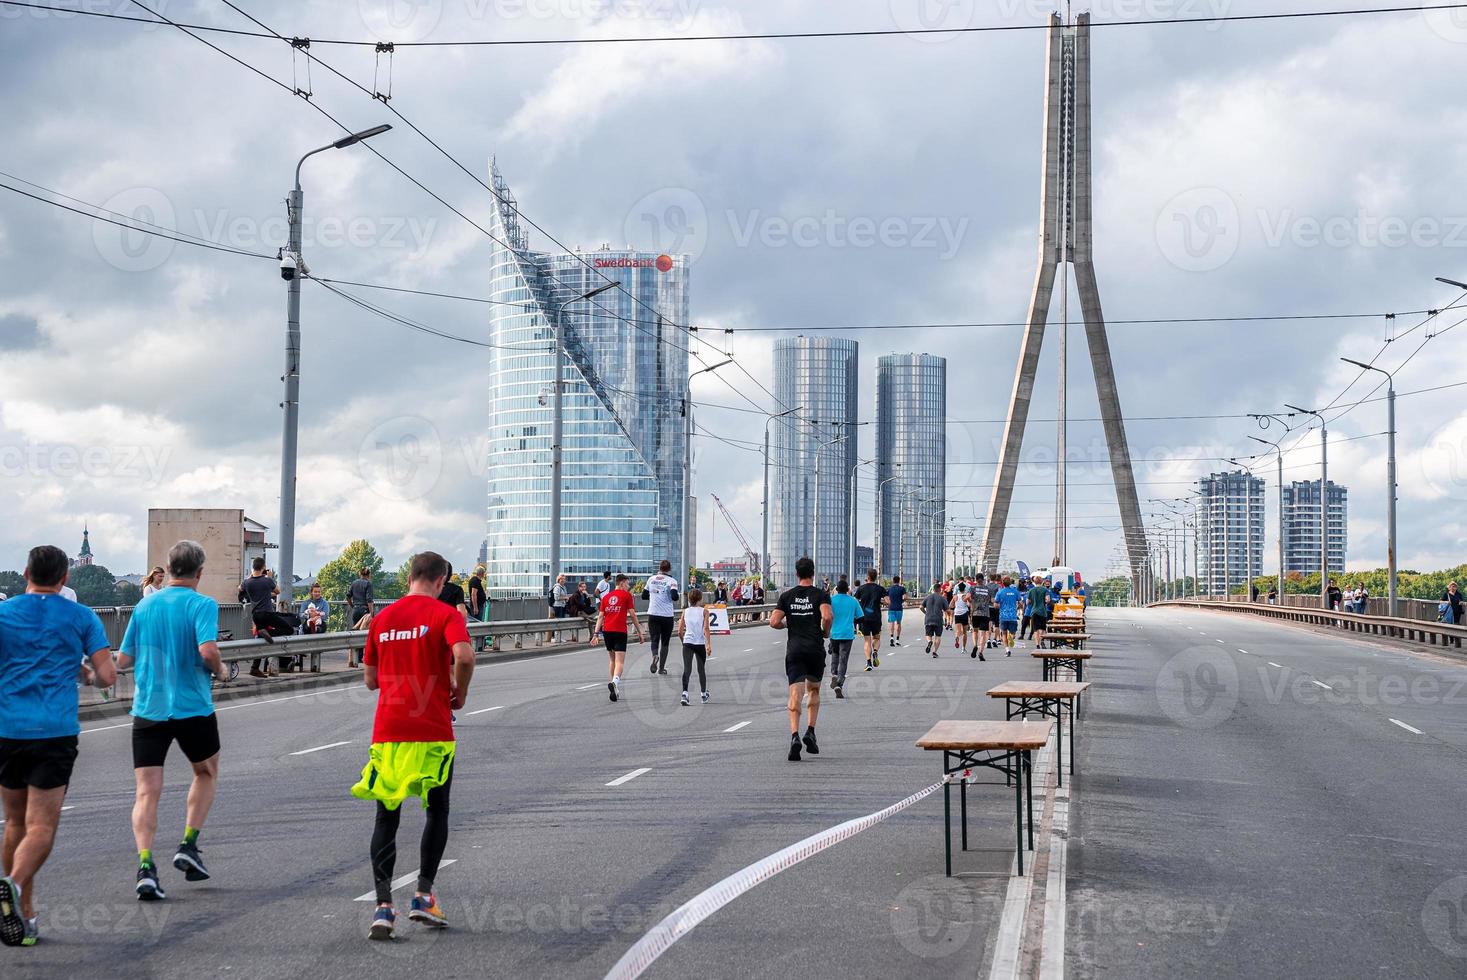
(163, 638)
(845, 610)
(43, 638)
(1008, 604)
(896, 595)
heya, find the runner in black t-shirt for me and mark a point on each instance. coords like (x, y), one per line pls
(871, 596)
(805, 612)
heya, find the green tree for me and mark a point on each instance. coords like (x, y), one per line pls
(94, 585)
(338, 573)
(128, 594)
(12, 583)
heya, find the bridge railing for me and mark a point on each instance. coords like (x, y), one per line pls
(1421, 610)
(1400, 628)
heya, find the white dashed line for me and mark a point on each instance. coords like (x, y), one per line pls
(1413, 731)
(587, 687)
(742, 724)
(1272, 664)
(1219, 641)
(398, 882)
(106, 728)
(1242, 651)
(1320, 684)
(321, 748)
(750, 650)
(482, 710)
(620, 780)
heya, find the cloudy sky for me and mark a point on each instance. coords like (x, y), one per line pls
(1245, 169)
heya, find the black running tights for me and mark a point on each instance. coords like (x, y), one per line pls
(659, 629)
(435, 839)
(691, 651)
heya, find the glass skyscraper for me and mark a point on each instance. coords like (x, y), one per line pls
(1230, 516)
(911, 466)
(1301, 527)
(626, 371)
(812, 455)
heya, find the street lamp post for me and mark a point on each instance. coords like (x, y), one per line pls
(854, 575)
(1323, 502)
(764, 556)
(1247, 527)
(1279, 454)
(293, 268)
(1390, 481)
(819, 453)
(557, 428)
(690, 516)
(878, 522)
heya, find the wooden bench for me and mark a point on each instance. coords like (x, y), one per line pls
(1045, 698)
(1003, 746)
(1056, 660)
(1075, 641)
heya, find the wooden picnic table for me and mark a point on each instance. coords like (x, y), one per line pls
(1066, 624)
(1003, 746)
(1075, 641)
(1045, 698)
(1056, 660)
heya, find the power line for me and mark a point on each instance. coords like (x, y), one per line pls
(771, 35)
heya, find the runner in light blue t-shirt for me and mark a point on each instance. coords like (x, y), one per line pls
(845, 610)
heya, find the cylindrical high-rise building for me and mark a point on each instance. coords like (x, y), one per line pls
(812, 455)
(911, 467)
(626, 371)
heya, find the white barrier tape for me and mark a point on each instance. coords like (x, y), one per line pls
(685, 918)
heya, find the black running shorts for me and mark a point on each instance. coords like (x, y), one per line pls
(960, 619)
(980, 622)
(804, 666)
(37, 763)
(870, 625)
(197, 738)
(934, 629)
(615, 642)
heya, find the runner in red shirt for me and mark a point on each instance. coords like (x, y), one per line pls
(420, 661)
(616, 608)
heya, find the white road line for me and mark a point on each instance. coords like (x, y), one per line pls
(1219, 641)
(587, 687)
(742, 724)
(251, 704)
(106, 728)
(482, 710)
(403, 880)
(63, 810)
(750, 650)
(1413, 731)
(1242, 651)
(321, 748)
(1279, 666)
(619, 780)
(1320, 684)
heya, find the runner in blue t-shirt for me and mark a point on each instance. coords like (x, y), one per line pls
(1007, 599)
(171, 638)
(845, 610)
(896, 599)
(47, 645)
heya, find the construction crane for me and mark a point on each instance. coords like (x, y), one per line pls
(751, 556)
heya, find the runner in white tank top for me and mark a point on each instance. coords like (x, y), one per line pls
(697, 643)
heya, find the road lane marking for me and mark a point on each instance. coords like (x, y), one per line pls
(742, 724)
(321, 748)
(1272, 664)
(106, 728)
(1219, 641)
(620, 780)
(1240, 650)
(401, 880)
(482, 710)
(63, 810)
(750, 650)
(1413, 731)
(587, 687)
(1320, 684)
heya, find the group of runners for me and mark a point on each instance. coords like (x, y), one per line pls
(986, 614)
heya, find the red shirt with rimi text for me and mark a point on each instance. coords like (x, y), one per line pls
(614, 608)
(411, 645)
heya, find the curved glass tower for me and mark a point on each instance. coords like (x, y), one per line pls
(911, 466)
(817, 374)
(626, 369)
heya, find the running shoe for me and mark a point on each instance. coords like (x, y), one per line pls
(685, 699)
(794, 747)
(809, 740)
(973, 654)
(705, 697)
(663, 670)
(934, 654)
(148, 888)
(868, 666)
(191, 863)
(876, 661)
(428, 911)
(32, 932)
(611, 689)
(840, 694)
(654, 665)
(384, 922)
(12, 922)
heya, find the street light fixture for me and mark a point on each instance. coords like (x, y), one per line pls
(1452, 282)
(557, 435)
(764, 557)
(690, 516)
(1323, 501)
(1247, 527)
(854, 573)
(1390, 479)
(293, 269)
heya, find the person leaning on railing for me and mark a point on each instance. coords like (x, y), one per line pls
(1451, 606)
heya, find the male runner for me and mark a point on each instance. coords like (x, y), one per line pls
(1007, 599)
(981, 598)
(845, 610)
(1038, 602)
(420, 661)
(960, 617)
(870, 596)
(46, 644)
(1023, 586)
(934, 616)
(661, 595)
(896, 604)
(804, 611)
(611, 623)
(171, 638)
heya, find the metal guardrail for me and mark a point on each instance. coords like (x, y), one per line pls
(505, 637)
(1414, 630)
(1421, 610)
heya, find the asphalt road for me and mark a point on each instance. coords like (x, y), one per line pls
(555, 873)
(1252, 805)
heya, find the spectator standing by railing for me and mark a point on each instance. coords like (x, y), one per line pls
(1452, 600)
(314, 612)
(154, 581)
(1333, 596)
(260, 590)
(478, 601)
(359, 599)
